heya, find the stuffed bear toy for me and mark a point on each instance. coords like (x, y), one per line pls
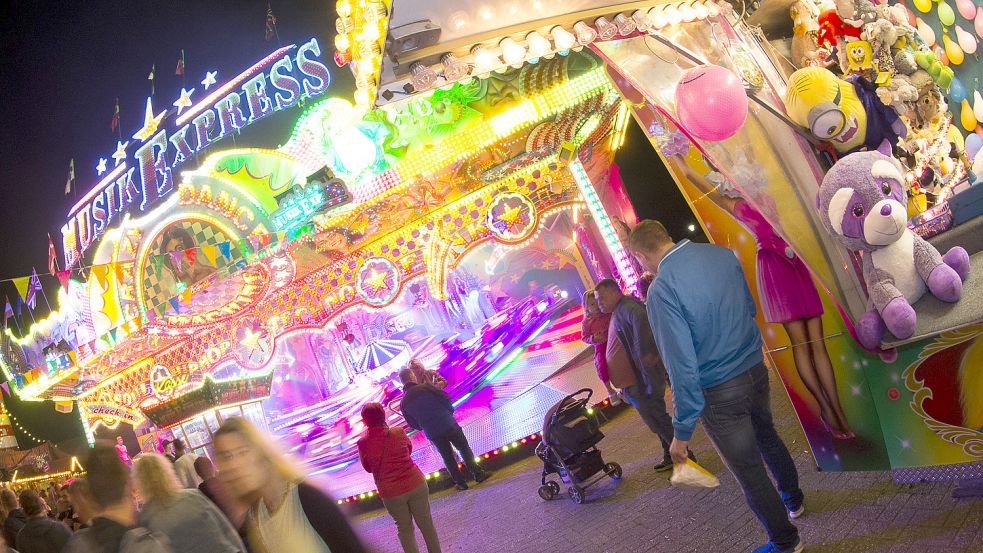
(862, 203)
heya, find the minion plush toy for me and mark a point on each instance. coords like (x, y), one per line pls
(846, 113)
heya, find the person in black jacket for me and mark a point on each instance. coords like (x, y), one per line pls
(16, 519)
(428, 409)
(287, 514)
(41, 534)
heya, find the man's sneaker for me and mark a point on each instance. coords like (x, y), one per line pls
(664, 466)
(799, 547)
(482, 476)
(461, 486)
(797, 512)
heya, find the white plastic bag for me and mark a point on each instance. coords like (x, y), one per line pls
(690, 474)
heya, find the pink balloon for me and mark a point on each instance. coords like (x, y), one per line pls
(711, 102)
(966, 8)
(979, 22)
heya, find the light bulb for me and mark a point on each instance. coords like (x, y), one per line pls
(538, 45)
(484, 59)
(605, 29)
(625, 24)
(562, 38)
(713, 10)
(455, 69)
(641, 19)
(686, 13)
(512, 52)
(370, 33)
(700, 10)
(673, 15)
(458, 20)
(585, 33)
(341, 42)
(374, 11)
(423, 76)
(344, 25)
(658, 18)
(344, 8)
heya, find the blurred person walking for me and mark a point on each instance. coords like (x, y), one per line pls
(429, 409)
(184, 466)
(287, 514)
(191, 522)
(82, 508)
(114, 525)
(40, 534)
(385, 453)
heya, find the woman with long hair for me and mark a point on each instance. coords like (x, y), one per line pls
(385, 453)
(286, 513)
(788, 297)
(190, 521)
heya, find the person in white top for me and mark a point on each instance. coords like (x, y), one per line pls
(184, 466)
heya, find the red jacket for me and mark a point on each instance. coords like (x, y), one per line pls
(385, 453)
(597, 324)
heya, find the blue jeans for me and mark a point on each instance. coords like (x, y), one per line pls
(651, 406)
(737, 417)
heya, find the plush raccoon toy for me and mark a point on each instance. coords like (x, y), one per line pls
(862, 203)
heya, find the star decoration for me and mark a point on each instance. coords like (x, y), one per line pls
(120, 153)
(184, 101)
(101, 166)
(209, 79)
(512, 217)
(150, 123)
(376, 281)
(251, 341)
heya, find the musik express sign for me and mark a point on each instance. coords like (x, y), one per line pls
(169, 139)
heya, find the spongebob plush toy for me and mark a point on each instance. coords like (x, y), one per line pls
(859, 57)
(848, 114)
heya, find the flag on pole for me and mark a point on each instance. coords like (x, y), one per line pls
(179, 70)
(150, 78)
(71, 177)
(270, 23)
(114, 122)
(33, 287)
(52, 256)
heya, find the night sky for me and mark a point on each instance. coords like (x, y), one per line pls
(63, 64)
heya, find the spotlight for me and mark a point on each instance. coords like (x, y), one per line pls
(455, 68)
(585, 33)
(539, 46)
(423, 76)
(605, 29)
(562, 38)
(512, 52)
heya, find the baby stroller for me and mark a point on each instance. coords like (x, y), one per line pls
(569, 447)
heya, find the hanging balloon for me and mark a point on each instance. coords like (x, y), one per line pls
(966, 8)
(978, 23)
(926, 32)
(946, 15)
(967, 117)
(973, 143)
(952, 50)
(966, 40)
(956, 138)
(923, 5)
(978, 105)
(711, 102)
(957, 92)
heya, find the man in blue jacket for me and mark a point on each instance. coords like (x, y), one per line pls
(428, 408)
(702, 315)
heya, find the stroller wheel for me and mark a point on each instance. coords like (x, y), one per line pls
(546, 492)
(554, 486)
(576, 493)
(613, 470)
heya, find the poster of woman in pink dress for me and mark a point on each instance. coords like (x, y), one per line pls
(787, 295)
(121, 450)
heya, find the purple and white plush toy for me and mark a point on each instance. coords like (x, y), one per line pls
(862, 203)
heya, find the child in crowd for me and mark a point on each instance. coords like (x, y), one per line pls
(595, 333)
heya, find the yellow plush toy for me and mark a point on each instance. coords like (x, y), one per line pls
(859, 57)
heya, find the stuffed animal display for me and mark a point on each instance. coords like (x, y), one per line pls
(862, 203)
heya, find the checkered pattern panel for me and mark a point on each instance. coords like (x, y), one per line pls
(203, 234)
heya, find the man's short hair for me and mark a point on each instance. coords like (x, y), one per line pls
(8, 499)
(406, 376)
(607, 284)
(108, 477)
(178, 444)
(648, 236)
(31, 503)
(204, 466)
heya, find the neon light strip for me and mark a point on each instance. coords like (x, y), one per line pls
(98, 188)
(617, 249)
(215, 95)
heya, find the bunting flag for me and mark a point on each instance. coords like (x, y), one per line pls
(6, 389)
(74, 356)
(174, 303)
(99, 271)
(20, 303)
(112, 336)
(63, 277)
(179, 70)
(254, 242)
(114, 122)
(191, 254)
(63, 406)
(158, 262)
(119, 272)
(29, 376)
(225, 248)
(52, 256)
(8, 312)
(109, 305)
(210, 253)
(161, 309)
(264, 240)
(186, 296)
(21, 285)
(270, 24)
(176, 258)
(243, 246)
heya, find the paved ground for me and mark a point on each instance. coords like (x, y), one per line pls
(847, 512)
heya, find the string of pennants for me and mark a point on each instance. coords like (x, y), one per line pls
(255, 246)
